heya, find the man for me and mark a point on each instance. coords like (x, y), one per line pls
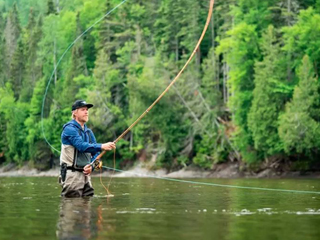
(79, 148)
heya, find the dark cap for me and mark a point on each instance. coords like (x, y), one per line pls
(80, 103)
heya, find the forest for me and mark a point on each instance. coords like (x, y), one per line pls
(250, 95)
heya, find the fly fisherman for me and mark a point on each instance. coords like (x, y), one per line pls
(79, 148)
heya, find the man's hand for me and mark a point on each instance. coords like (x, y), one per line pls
(108, 146)
(87, 169)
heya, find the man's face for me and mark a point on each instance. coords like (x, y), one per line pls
(82, 114)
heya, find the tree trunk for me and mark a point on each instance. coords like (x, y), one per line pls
(131, 139)
(177, 49)
(224, 82)
(58, 6)
(138, 39)
(288, 54)
(212, 32)
(289, 11)
(55, 62)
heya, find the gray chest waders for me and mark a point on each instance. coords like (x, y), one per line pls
(80, 160)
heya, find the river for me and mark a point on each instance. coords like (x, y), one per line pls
(146, 208)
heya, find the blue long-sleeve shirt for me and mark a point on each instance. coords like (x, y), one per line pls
(81, 139)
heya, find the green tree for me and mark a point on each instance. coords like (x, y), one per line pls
(39, 151)
(14, 114)
(2, 54)
(176, 28)
(11, 36)
(77, 67)
(269, 96)
(299, 125)
(50, 7)
(17, 69)
(241, 50)
(300, 38)
(33, 69)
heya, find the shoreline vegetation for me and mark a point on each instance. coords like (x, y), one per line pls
(225, 170)
(249, 101)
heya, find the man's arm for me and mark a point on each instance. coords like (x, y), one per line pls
(106, 146)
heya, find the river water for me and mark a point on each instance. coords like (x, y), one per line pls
(144, 208)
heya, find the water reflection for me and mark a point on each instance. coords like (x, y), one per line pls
(75, 219)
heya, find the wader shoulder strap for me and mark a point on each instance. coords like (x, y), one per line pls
(89, 135)
(74, 157)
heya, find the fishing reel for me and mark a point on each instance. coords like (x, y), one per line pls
(97, 164)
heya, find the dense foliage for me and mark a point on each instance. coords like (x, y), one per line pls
(251, 93)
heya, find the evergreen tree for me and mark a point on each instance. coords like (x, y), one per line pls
(11, 35)
(300, 38)
(241, 51)
(77, 67)
(168, 32)
(50, 8)
(2, 54)
(106, 114)
(15, 114)
(38, 149)
(269, 96)
(106, 30)
(299, 125)
(31, 37)
(285, 13)
(16, 70)
(214, 145)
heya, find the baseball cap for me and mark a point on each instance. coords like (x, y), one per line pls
(81, 103)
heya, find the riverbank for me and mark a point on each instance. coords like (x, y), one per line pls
(226, 170)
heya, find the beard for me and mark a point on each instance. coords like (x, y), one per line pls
(84, 119)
